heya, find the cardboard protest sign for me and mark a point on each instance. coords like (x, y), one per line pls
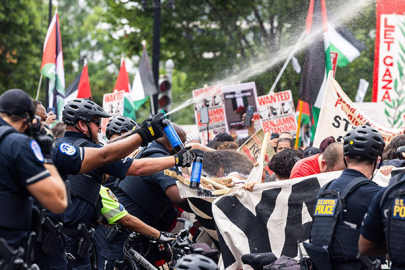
(389, 60)
(237, 98)
(339, 114)
(212, 98)
(252, 148)
(113, 103)
(277, 113)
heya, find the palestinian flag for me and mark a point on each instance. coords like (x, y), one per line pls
(122, 83)
(343, 42)
(317, 61)
(52, 66)
(80, 87)
(144, 83)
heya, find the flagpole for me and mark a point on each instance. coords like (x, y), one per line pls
(47, 79)
(39, 86)
(297, 136)
(286, 62)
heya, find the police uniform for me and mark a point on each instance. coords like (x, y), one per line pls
(112, 211)
(85, 203)
(145, 197)
(21, 162)
(376, 227)
(358, 202)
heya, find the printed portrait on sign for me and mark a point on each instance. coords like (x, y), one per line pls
(275, 109)
(217, 100)
(287, 107)
(208, 102)
(264, 112)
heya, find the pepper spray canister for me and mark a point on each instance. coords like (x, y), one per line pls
(172, 135)
(197, 168)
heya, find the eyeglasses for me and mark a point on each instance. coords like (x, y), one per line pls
(97, 122)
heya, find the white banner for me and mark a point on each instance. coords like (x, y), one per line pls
(361, 91)
(339, 114)
(271, 218)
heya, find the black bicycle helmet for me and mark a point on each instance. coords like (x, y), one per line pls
(363, 142)
(196, 262)
(81, 109)
(119, 124)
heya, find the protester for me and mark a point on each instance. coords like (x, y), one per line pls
(58, 130)
(225, 162)
(362, 147)
(193, 138)
(284, 143)
(326, 142)
(274, 140)
(389, 156)
(283, 162)
(26, 169)
(310, 151)
(227, 146)
(330, 160)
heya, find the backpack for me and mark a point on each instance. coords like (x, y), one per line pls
(330, 237)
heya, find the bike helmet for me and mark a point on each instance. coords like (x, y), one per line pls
(363, 142)
(119, 124)
(196, 262)
(81, 109)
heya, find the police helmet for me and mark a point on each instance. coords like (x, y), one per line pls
(196, 262)
(364, 143)
(17, 102)
(81, 109)
(119, 124)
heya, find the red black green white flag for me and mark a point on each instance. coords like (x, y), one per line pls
(52, 65)
(80, 87)
(122, 83)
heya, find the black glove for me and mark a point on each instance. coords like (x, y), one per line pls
(166, 237)
(46, 143)
(150, 130)
(184, 158)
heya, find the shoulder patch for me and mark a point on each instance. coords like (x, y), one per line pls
(111, 194)
(398, 208)
(121, 207)
(325, 207)
(37, 150)
(67, 149)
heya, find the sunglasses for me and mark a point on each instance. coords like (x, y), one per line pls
(97, 122)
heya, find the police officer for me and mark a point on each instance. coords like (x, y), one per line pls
(26, 168)
(82, 118)
(383, 227)
(114, 213)
(335, 232)
(119, 125)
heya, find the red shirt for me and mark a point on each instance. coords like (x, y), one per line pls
(305, 167)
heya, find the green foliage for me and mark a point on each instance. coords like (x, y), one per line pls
(20, 45)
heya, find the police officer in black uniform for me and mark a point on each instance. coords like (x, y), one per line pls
(119, 125)
(26, 168)
(383, 229)
(342, 203)
(82, 117)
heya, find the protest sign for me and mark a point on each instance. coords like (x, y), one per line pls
(389, 60)
(374, 110)
(277, 113)
(113, 103)
(212, 98)
(252, 148)
(237, 98)
(339, 114)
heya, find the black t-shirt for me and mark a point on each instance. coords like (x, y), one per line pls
(358, 202)
(21, 165)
